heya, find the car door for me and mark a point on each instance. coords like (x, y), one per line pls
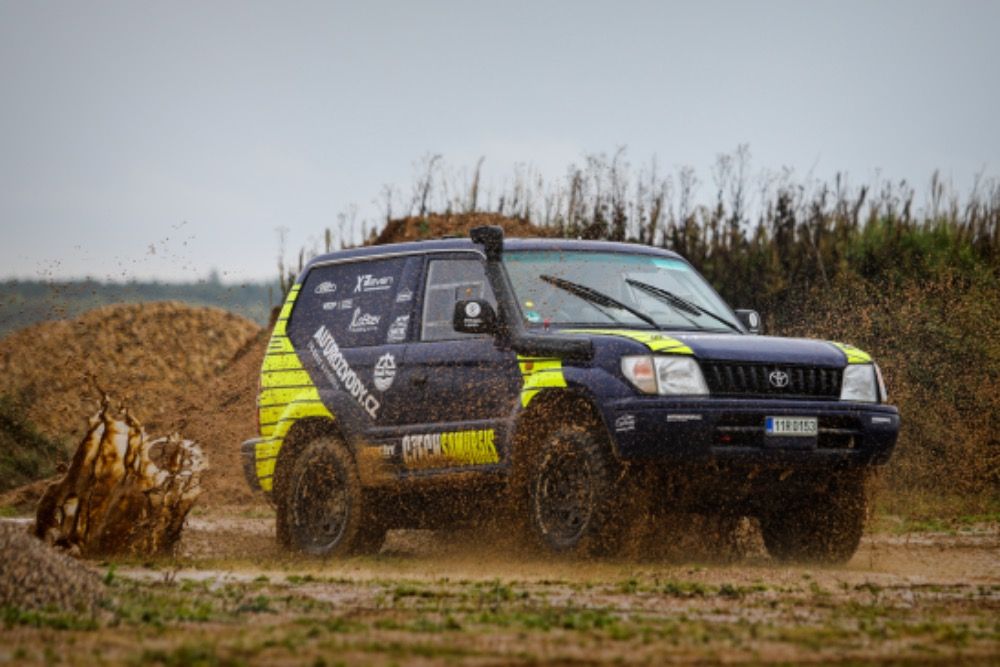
(350, 328)
(466, 386)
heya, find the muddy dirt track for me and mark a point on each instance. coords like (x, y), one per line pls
(232, 597)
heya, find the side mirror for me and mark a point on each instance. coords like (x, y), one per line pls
(474, 316)
(751, 320)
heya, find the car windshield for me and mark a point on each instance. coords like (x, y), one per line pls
(583, 288)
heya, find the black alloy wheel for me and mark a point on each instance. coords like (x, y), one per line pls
(565, 497)
(573, 485)
(326, 512)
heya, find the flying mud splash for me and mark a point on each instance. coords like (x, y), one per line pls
(123, 492)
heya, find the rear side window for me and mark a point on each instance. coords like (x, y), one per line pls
(361, 303)
(449, 281)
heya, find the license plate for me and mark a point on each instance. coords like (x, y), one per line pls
(807, 427)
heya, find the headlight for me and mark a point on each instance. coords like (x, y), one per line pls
(883, 393)
(859, 384)
(665, 375)
(640, 372)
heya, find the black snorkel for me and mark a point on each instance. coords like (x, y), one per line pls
(510, 328)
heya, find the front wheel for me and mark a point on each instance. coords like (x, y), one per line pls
(324, 508)
(821, 527)
(572, 479)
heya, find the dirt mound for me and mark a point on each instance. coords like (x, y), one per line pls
(180, 368)
(219, 420)
(150, 355)
(453, 224)
(35, 576)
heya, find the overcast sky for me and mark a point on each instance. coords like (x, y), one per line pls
(142, 139)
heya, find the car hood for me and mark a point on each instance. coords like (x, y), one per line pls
(763, 349)
(735, 347)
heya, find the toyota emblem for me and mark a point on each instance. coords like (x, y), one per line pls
(778, 379)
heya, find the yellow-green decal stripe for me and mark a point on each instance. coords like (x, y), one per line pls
(539, 373)
(853, 354)
(656, 342)
(287, 394)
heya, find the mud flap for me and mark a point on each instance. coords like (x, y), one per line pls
(248, 457)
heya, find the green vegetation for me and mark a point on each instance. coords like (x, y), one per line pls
(921, 511)
(27, 302)
(25, 455)
(215, 623)
(52, 618)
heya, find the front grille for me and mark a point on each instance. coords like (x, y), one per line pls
(725, 378)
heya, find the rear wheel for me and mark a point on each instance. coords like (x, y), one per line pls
(822, 527)
(571, 480)
(323, 510)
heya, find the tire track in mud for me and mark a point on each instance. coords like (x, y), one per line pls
(968, 556)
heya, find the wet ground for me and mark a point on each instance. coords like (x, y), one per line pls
(232, 597)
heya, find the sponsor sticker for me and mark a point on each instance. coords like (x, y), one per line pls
(362, 322)
(347, 304)
(385, 371)
(371, 283)
(330, 358)
(625, 423)
(451, 447)
(330, 305)
(404, 295)
(473, 309)
(397, 330)
(326, 287)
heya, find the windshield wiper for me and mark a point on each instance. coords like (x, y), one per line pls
(591, 295)
(680, 303)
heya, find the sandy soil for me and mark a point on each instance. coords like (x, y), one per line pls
(232, 597)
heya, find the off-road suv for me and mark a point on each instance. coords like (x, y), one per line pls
(419, 384)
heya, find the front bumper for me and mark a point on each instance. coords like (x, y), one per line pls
(732, 431)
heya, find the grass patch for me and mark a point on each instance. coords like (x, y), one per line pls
(189, 655)
(161, 605)
(49, 618)
(25, 454)
(932, 512)
(685, 589)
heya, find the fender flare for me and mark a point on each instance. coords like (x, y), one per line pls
(559, 401)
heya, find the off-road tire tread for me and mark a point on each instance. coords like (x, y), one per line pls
(363, 534)
(821, 528)
(604, 531)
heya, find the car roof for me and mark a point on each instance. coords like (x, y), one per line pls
(510, 244)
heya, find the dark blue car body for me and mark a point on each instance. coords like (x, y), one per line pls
(364, 348)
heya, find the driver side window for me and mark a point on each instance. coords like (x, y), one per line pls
(450, 281)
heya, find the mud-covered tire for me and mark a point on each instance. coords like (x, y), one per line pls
(570, 481)
(821, 528)
(323, 510)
